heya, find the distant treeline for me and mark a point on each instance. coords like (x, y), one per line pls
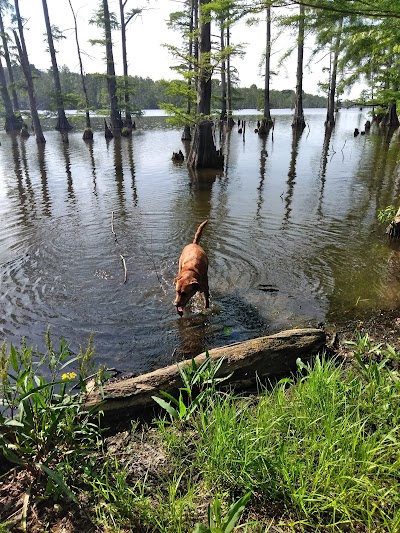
(146, 93)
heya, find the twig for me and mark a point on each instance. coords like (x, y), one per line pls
(116, 240)
(112, 226)
(125, 270)
(25, 509)
(154, 265)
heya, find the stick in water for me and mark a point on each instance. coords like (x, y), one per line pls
(112, 226)
(116, 240)
(125, 270)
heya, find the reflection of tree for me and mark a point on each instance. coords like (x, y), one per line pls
(18, 175)
(25, 166)
(43, 176)
(119, 172)
(381, 176)
(133, 171)
(26, 195)
(201, 182)
(70, 185)
(324, 163)
(296, 135)
(263, 160)
(93, 165)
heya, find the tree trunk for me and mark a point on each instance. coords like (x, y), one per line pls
(203, 153)
(62, 122)
(223, 115)
(124, 23)
(390, 120)
(23, 55)
(267, 106)
(244, 364)
(298, 119)
(88, 133)
(111, 79)
(330, 114)
(13, 123)
(7, 59)
(228, 80)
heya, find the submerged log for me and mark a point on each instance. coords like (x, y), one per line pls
(245, 362)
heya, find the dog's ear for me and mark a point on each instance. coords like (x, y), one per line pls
(195, 286)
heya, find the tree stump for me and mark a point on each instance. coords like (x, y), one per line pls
(108, 134)
(246, 363)
(87, 134)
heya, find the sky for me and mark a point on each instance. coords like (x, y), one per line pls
(145, 37)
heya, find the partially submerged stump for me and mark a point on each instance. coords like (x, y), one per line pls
(87, 134)
(108, 134)
(178, 156)
(203, 153)
(24, 132)
(186, 134)
(249, 361)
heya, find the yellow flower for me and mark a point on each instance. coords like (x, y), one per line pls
(68, 376)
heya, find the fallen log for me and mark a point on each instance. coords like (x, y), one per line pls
(246, 362)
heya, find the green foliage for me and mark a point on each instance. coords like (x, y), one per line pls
(326, 445)
(44, 426)
(387, 214)
(199, 384)
(216, 522)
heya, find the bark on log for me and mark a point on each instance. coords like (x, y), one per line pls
(249, 361)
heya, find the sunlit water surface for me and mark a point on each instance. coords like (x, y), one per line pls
(293, 238)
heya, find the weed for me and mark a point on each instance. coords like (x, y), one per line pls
(216, 522)
(387, 214)
(199, 384)
(44, 427)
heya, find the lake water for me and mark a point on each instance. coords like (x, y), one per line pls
(295, 217)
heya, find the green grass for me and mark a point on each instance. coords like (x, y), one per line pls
(319, 453)
(328, 446)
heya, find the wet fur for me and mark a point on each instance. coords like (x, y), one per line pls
(192, 273)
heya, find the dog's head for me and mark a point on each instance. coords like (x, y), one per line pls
(186, 286)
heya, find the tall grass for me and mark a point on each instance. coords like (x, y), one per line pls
(328, 446)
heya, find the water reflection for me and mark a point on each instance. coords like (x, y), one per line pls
(43, 175)
(263, 160)
(68, 172)
(132, 172)
(323, 167)
(296, 136)
(89, 144)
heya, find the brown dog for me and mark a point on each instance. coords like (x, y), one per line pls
(192, 274)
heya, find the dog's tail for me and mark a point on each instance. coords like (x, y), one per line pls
(196, 239)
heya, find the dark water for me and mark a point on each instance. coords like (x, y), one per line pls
(296, 215)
